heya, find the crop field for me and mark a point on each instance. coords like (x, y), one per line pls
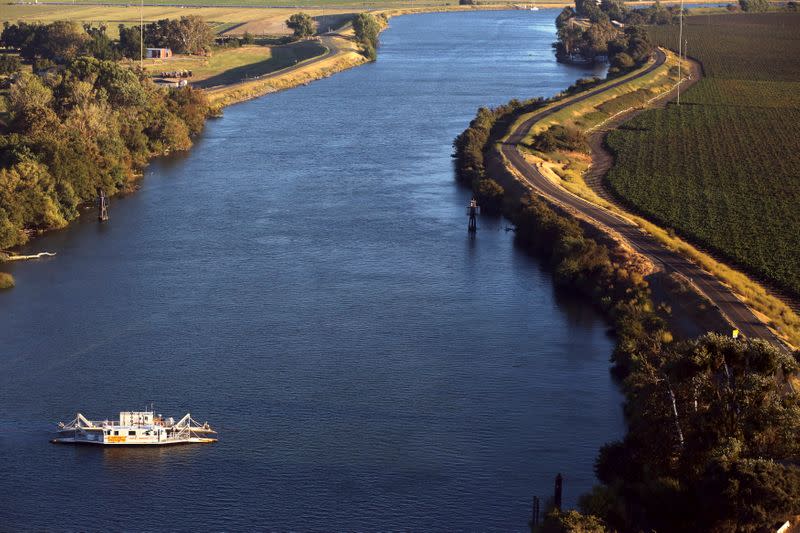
(224, 20)
(723, 168)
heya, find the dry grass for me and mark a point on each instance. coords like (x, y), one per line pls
(347, 58)
(227, 20)
(233, 65)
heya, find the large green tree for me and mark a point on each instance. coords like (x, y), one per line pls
(709, 422)
(367, 30)
(301, 24)
(92, 125)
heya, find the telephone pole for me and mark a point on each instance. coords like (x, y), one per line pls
(680, 49)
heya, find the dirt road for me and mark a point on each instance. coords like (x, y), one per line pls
(719, 294)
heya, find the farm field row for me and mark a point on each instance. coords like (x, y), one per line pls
(723, 169)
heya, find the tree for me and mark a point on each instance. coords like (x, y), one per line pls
(490, 195)
(187, 35)
(566, 14)
(60, 41)
(754, 6)
(194, 35)
(367, 30)
(711, 430)
(615, 9)
(99, 44)
(302, 25)
(571, 522)
(130, 43)
(623, 61)
(9, 64)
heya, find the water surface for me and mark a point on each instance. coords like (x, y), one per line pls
(303, 280)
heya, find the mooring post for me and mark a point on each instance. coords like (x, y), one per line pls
(473, 209)
(103, 202)
(559, 488)
(534, 514)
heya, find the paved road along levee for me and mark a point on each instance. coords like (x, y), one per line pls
(720, 295)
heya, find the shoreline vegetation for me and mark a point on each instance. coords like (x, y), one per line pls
(80, 93)
(712, 424)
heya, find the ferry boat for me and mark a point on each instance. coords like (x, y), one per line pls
(134, 428)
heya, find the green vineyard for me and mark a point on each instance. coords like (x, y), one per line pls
(723, 168)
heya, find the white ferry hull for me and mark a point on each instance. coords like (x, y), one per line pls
(134, 428)
(190, 440)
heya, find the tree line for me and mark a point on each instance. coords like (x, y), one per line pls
(609, 29)
(62, 41)
(88, 125)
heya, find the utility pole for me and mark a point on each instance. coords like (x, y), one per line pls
(141, 34)
(680, 49)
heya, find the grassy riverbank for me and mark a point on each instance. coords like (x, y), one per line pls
(568, 169)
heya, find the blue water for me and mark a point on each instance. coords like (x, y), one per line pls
(303, 280)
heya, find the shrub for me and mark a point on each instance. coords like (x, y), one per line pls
(367, 29)
(301, 24)
(558, 137)
(9, 64)
(754, 6)
(490, 194)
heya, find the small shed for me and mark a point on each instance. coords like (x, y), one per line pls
(158, 53)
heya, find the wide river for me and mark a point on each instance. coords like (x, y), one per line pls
(303, 280)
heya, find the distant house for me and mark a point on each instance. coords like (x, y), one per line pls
(158, 53)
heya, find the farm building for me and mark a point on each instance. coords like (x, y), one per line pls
(158, 53)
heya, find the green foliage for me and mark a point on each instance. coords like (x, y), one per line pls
(490, 195)
(63, 41)
(484, 128)
(100, 44)
(9, 64)
(559, 137)
(91, 126)
(571, 522)
(6, 281)
(130, 41)
(722, 171)
(301, 24)
(754, 6)
(711, 431)
(187, 35)
(367, 30)
(59, 41)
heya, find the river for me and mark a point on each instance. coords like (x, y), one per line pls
(303, 280)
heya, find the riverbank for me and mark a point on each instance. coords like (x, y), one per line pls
(566, 169)
(343, 53)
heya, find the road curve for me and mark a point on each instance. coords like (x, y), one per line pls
(326, 39)
(720, 295)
